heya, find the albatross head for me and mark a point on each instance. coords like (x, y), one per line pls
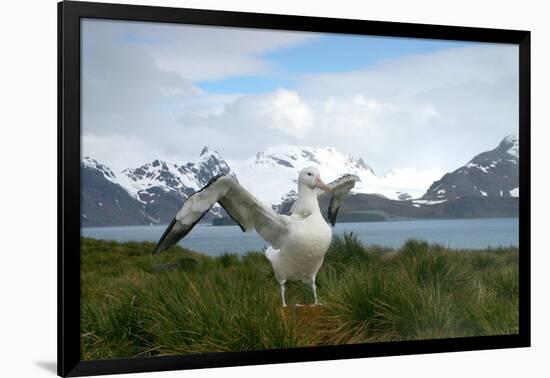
(311, 178)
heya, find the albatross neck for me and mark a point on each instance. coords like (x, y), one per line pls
(307, 199)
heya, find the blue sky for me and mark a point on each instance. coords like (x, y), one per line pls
(327, 53)
(164, 91)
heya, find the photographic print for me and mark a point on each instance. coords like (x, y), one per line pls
(249, 189)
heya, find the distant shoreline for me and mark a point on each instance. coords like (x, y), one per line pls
(339, 221)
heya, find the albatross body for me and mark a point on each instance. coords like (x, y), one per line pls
(298, 241)
(308, 239)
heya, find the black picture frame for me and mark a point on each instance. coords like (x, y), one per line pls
(69, 16)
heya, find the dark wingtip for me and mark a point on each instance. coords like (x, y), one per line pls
(160, 247)
(331, 212)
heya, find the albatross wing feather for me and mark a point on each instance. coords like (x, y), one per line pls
(246, 210)
(339, 191)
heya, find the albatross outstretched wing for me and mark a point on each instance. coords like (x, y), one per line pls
(339, 190)
(246, 210)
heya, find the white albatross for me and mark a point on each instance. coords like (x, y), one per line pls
(298, 241)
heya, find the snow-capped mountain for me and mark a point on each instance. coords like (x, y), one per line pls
(182, 179)
(485, 187)
(103, 201)
(154, 192)
(89, 163)
(493, 173)
(271, 175)
(159, 188)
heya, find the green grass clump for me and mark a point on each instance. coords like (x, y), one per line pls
(179, 302)
(217, 313)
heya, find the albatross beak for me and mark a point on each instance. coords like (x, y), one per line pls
(321, 185)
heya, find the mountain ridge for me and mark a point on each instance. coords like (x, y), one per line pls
(155, 191)
(492, 173)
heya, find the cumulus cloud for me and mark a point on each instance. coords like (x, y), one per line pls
(431, 110)
(434, 110)
(138, 78)
(282, 110)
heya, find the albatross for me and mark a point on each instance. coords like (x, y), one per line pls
(298, 241)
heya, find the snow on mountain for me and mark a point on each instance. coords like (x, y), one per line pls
(493, 173)
(401, 184)
(160, 174)
(154, 192)
(104, 201)
(159, 188)
(209, 164)
(88, 162)
(183, 179)
(511, 143)
(271, 175)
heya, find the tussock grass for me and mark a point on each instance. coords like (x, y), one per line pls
(136, 304)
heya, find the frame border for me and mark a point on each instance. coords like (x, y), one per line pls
(68, 196)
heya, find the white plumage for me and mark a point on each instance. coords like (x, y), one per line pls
(298, 241)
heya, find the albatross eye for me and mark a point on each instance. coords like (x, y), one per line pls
(309, 174)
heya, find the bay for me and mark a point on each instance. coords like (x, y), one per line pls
(452, 233)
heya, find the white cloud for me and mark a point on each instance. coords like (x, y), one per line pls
(281, 110)
(117, 150)
(409, 76)
(433, 110)
(197, 52)
(136, 84)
